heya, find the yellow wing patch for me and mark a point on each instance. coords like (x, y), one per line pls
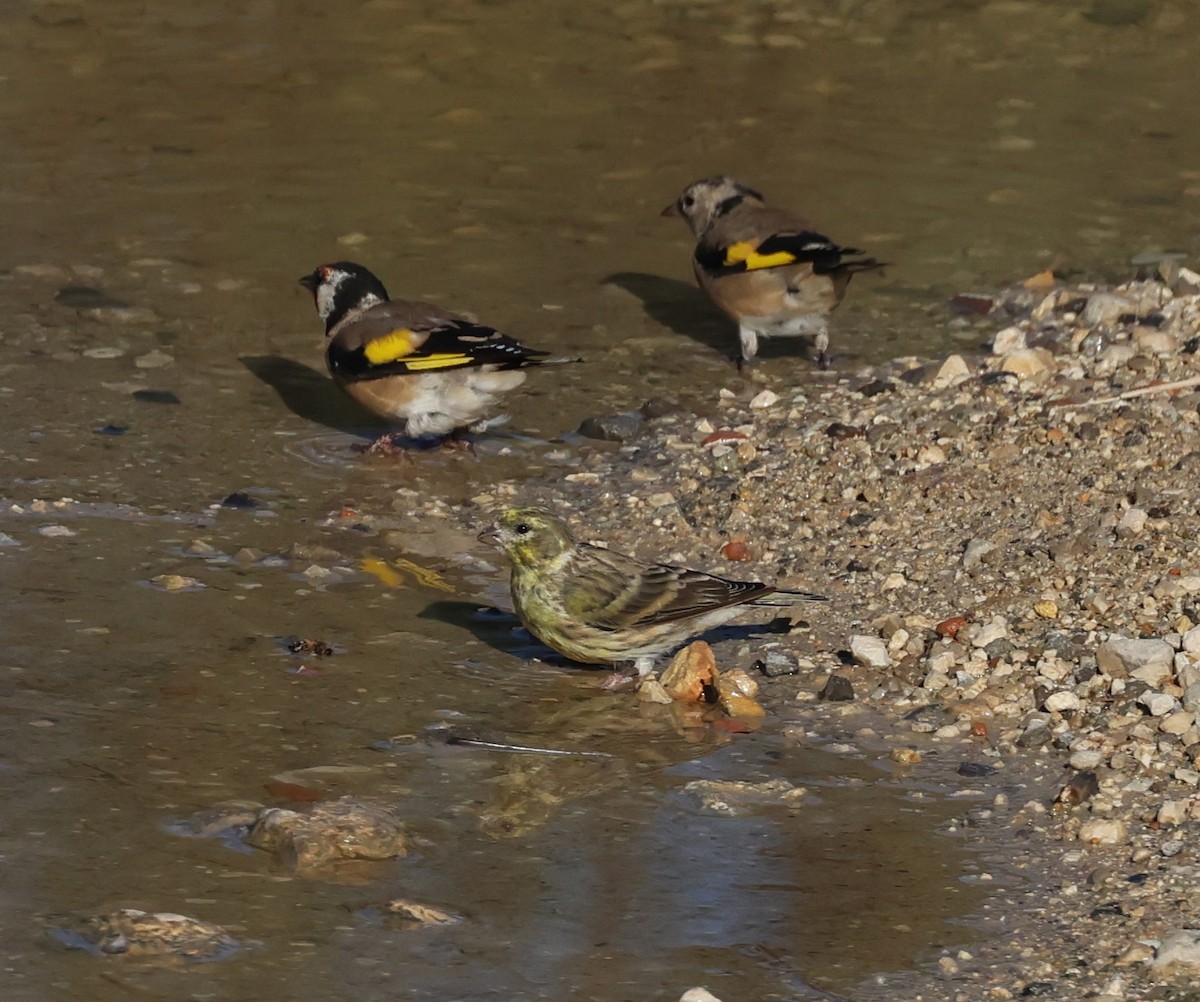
(390, 574)
(744, 252)
(389, 347)
(444, 360)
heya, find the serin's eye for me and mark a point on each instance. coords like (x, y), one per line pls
(522, 529)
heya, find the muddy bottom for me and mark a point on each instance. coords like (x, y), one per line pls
(149, 677)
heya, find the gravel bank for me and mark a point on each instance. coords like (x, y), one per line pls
(1011, 543)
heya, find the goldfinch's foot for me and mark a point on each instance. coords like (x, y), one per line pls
(457, 441)
(823, 361)
(390, 445)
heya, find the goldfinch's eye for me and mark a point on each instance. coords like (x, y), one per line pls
(688, 201)
(522, 529)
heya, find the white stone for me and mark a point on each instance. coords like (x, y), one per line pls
(870, 651)
(994, 629)
(1179, 722)
(1008, 340)
(1179, 948)
(1133, 523)
(1103, 831)
(1056, 702)
(1121, 655)
(698, 995)
(1027, 362)
(764, 400)
(1153, 675)
(1191, 641)
(936, 681)
(975, 550)
(1173, 812)
(1104, 307)
(953, 371)
(1086, 759)
(1158, 704)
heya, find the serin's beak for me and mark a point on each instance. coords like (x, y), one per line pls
(490, 535)
(671, 210)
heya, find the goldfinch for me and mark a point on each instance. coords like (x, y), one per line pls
(598, 606)
(765, 268)
(414, 363)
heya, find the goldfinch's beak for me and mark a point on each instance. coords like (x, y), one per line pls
(490, 535)
(309, 282)
(670, 210)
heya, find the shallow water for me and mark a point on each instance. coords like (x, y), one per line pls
(509, 159)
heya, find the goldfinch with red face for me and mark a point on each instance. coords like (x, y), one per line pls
(766, 268)
(434, 372)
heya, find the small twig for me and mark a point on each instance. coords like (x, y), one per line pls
(1137, 391)
(502, 746)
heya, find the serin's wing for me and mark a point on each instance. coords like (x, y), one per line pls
(614, 592)
(398, 338)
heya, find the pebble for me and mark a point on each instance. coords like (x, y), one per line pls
(870, 651)
(1178, 948)
(1120, 656)
(763, 400)
(1008, 340)
(1104, 831)
(154, 360)
(1158, 704)
(1065, 700)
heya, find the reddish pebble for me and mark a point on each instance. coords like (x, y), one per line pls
(950, 627)
(293, 792)
(731, 726)
(979, 729)
(723, 435)
(736, 549)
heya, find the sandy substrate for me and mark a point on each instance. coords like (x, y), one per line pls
(1011, 543)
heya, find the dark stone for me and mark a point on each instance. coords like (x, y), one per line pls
(1089, 431)
(856, 566)
(657, 407)
(976, 769)
(1035, 988)
(611, 427)
(932, 713)
(156, 397)
(1107, 909)
(860, 518)
(240, 500)
(84, 297)
(972, 304)
(838, 430)
(774, 664)
(112, 429)
(837, 690)
(1079, 788)
(876, 387)
(998, 648)
(1034, 737)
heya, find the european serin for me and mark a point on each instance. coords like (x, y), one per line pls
(598, 606)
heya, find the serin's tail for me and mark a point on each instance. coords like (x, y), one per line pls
(782, 597)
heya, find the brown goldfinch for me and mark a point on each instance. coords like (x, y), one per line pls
(598, 606)
(432, 371)
(764, 267)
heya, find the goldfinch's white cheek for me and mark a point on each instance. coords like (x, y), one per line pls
(325, 297)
